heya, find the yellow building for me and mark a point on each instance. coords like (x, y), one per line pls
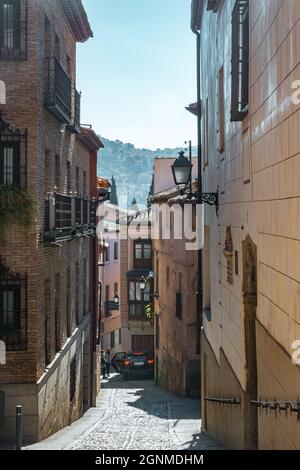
(250, 59)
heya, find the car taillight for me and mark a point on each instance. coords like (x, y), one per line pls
(150, 362)
(126, 363)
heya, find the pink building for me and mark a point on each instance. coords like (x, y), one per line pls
(176, 334)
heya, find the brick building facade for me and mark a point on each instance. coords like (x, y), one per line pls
(48, 312)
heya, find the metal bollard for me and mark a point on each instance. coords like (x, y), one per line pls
(19, 427)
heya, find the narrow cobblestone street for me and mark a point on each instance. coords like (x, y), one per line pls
(135, 415)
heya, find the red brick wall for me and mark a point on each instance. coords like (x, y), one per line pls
(23, 250)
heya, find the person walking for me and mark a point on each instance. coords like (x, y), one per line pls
(108, 361)
(103, 365)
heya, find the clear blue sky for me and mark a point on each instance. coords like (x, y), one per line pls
(138, 72)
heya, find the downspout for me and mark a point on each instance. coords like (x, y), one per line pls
(199, 300)
(94, 328)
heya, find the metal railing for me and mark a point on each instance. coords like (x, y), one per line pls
(58, 95)
(278, 406)
(223, 401)
(63, 212)
(67, 216)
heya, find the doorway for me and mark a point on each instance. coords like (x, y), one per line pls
(250, 306)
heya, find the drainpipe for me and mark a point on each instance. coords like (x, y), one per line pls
(199, 304)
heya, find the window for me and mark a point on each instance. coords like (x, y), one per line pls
(9, 308)
(116, 251)
(240, 60)
(221, 110)
(10, 164)
(57, 313)
(205, 133)
(47, 307)
(10, 24)
(112, 339)
(137, 299)
(13, 309)
(107, 254)
(107, 293)
(236, 263)
(178, 305)
(72, 379)
(142, 254)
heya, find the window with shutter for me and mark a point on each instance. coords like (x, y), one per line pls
(240, 61)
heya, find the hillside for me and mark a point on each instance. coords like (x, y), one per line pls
(131, 167)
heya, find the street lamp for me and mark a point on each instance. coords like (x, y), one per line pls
(142, 283)
(182, 174)
(182, 170)
(116, 299)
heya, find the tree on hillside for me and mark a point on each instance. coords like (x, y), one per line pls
(113, 193)
(134, 205)
(151, 191)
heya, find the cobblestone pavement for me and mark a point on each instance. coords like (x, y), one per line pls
(139, 415)
(134, 415)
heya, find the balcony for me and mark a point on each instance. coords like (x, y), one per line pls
(58, 218)
(58, 96)
(109, 308)
(67, 217)
(74, 127)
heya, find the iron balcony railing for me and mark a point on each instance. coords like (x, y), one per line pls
(93, 214)
(84, 212)
(78, 211)
(74, 126)
(77, 110)
(67, 217)
(63, 212)
(58, 95)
